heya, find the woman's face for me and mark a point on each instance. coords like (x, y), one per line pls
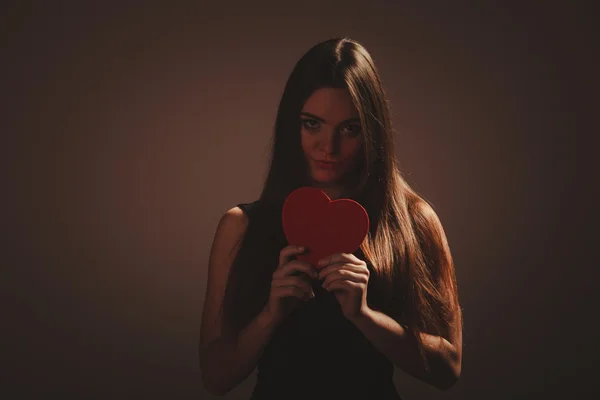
(331, 135)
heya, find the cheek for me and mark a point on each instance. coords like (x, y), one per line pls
(351, 149)
(306, 142)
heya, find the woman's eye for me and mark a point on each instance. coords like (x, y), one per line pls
(310, 124)
(352, 129)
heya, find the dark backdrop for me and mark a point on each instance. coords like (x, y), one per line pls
(128, 132)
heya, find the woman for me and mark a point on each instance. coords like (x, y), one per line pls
(335, 330)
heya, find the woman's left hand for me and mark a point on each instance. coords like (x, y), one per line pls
(347, 277)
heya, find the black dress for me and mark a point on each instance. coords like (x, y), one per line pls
(316, 353)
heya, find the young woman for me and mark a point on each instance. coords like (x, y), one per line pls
(335, 330)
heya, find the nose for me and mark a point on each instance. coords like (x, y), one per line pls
(329, 141)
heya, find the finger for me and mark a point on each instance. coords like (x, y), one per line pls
(296, 267)
(295, 292)
(288, 291)
(286, 254)
(359, 269)
(339, 257)
(342, 285)
(293, 281)
(283, 292)
(345, 274)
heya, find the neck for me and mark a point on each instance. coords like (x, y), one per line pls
(336, 190)
(333, 191)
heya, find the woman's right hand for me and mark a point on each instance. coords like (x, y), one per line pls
(289, 285)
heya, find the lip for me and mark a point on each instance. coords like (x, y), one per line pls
(327, 164)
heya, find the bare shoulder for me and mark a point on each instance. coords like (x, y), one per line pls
(229, 233)
(424, 210)
(233, 222)
(427, 221)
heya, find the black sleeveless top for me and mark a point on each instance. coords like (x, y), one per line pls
(316, 353)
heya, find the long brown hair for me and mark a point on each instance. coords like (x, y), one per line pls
(406, 245)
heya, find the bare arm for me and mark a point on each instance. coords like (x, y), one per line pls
(389, 337)
(444, 353)
(225, 361)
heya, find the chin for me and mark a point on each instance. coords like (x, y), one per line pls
(325, 178)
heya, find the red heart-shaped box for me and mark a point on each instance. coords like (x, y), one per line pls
(311, 219)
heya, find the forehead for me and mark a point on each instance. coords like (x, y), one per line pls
(331, 104)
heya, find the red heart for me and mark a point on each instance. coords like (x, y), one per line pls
(323, 226)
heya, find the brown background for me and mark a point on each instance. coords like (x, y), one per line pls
(128, 132)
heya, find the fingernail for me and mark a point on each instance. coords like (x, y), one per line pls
(300, 248)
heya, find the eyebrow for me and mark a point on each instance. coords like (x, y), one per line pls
(307, 114)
